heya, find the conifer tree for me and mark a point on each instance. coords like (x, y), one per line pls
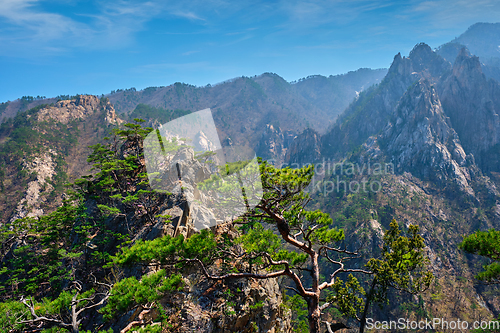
(486, 244)
(280, 238)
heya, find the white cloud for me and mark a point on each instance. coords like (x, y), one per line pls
(188, 15)
(21, 14)
(452, 13)
(25, 24)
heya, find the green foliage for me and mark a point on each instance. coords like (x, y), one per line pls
(10, 311)
(347, 296)
(259, 240)
(120, 181)
(156, 113)
(40, 261)
(486, 244)
(298, 309)
(59, 310)
(150, 329)
(166, 249)
(149, 288)
(402, 265)
(66, 97)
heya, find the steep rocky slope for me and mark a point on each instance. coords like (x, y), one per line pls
(421, 140)
(370, 112)
(473, 102)
(420, 147)
(44, 147)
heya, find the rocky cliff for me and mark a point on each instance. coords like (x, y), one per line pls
(421, 140)
(80, 108)
(369, 114)
(44, 147)
(274, 144)
(472, 102)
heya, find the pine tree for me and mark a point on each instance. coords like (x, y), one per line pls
(280, 238)
(486, 244)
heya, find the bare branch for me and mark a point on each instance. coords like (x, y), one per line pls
(329, 248)
(37, 318)
(292, 288)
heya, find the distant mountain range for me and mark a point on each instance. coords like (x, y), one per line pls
(482, 40)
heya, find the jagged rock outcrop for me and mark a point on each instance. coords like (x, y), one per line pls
(419, 139)
(43, 167)
(79, 108)
(305, 149)
(244, 316)
(179, 174)
(368, 115)
(202, 143)
(274, 143)
(473, 102)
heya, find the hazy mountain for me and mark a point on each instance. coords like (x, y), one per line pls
(482, 40)
(242, 107)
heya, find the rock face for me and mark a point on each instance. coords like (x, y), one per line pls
(274, 143)
(368, 115)
(236, 306)
(419, 139)
(454, 113)
(305, 149)
(43, 167)
(202, 143)
(60, 136)
(79, 108)
(473, 102)
(180, 173)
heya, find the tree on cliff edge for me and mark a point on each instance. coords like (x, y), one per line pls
(280, 238)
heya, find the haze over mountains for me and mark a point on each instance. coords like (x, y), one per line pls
(481, 39)
(433, 115)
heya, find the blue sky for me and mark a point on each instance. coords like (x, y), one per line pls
(68, 47)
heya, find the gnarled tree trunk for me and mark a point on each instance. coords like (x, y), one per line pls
(314, 316)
